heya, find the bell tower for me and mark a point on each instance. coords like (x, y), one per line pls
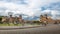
(10, 15)
(20, 16)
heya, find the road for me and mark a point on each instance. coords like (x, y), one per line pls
(49, 29)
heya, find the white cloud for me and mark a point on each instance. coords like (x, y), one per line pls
(31, 9)
(55, 14)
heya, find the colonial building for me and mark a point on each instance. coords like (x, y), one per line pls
(48, 19)
(11, 19)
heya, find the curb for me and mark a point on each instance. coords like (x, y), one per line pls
(16, 27)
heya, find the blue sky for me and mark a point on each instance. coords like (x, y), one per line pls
(30, 7)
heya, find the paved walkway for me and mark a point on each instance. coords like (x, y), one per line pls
(49, 29)
(18, 27)
(23, 27)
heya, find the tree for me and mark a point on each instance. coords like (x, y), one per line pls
(10, 13)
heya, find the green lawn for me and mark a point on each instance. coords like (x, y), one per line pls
(10, 24)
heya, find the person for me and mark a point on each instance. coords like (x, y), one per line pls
(45, 23)
(55, 22)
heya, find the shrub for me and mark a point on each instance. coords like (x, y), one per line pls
(37, 22)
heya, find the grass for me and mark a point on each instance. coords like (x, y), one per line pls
(10, 24)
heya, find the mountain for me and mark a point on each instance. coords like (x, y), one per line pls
(31, 18)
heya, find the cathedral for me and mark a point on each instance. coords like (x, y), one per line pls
(48, 19)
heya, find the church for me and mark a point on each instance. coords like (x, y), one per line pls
(48, 19)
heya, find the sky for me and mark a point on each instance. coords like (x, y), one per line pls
(31, 7)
